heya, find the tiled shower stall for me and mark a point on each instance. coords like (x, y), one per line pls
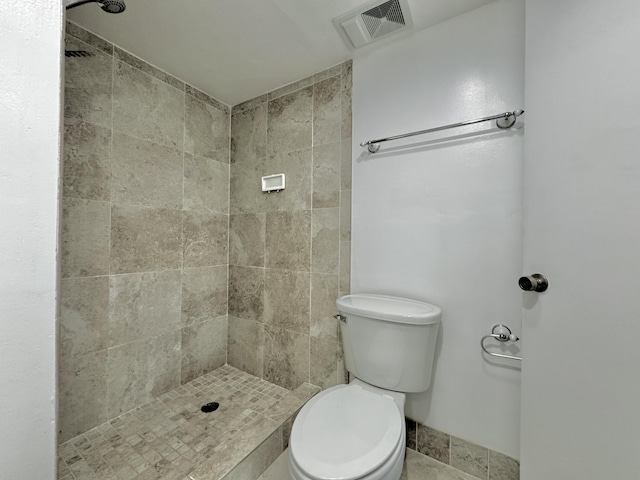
(173, 260)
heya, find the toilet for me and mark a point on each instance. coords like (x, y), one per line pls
(357, 431)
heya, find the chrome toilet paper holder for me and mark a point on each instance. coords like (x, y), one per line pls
(502, 333)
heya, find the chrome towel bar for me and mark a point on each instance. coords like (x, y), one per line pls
(503, 120)
(502, 333)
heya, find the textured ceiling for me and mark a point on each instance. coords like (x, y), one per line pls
(236, 50)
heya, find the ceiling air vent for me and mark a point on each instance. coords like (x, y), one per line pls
(373, 21)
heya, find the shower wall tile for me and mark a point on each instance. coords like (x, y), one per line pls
(326, 175)
(84, 315)
(82, 394)
(145, 238)
(296, 166)
(249, 134)
(204, 294)
(290, 88)
(146, 107)
(247, 239)
(288, 236)
(206, 130)
(325, 241)
(143, 305)
(328, 73)
(146, 173)
(246, 194)
(146, 68)
(246, 345)
(254, 102)
(203, 348)
(345, 215)
(246, 292)
(327, 113)
(324, 293)
(194, 92)
(84, 238)
(206, 184)
(289, 125)
(345, 268)
(88, 37)
(87, 164)
(286, 357)
(345, 100)
(286, 299)
(88, 85)
(323, 362)
(346, 155)
(206, 239)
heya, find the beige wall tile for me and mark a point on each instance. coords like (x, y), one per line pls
(323, 362)
(286, 357)
(247, 239)
(259, 460)
(286, 299)
(326, 176)
(246, 345)
(296, 166)
(84, 238)
(204, 294)
(325, 243)
(329, 72)
(84, 315)
(469, 457)
(254, 102)
(146, 107)
(87, 162)
(433, 443)
(327, 113)
(146, 68)
(206, 130)
(87, 87)
(345, 268)
(82, 396)
(249, 134)
(345, 215)
(324, 293)
(142, 305)
(73, 30)
(288, 237)
(346, 154)
(289, 123)
(145, 173)
(246, 292)
(502, 467)
(145, 238)
(204, 348)
(345, 102)
(206, 184)
(290, 88)
(206, 239)
(246, 194)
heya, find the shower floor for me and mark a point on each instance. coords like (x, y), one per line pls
(170, 438)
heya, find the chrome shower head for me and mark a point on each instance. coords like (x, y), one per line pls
(109, 6)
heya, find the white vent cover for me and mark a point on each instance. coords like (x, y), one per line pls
(373, 21)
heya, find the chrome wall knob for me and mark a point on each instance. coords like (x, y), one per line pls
(534, 283)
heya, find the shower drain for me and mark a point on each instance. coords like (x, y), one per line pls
(210, 407)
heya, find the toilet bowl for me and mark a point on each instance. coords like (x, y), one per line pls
(349, 432)
(357, 431)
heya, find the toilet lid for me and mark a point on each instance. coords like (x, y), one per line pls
(345, 432)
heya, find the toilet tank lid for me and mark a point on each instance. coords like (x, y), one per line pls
(392, 309)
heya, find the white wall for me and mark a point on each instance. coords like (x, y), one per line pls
(580, 383)
(30, 53)
(442, 221)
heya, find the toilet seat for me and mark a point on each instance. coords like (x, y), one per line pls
(345, 432)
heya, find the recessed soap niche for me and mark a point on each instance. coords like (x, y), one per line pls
(273, 183)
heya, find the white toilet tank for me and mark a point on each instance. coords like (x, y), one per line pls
(388, 341)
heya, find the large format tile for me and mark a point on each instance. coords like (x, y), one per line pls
(82, 393)
(286, 299)
(346, 99)
(206, 240)
(87, 163)
(286, 357)
(327, 114)
(257, 462)
(246, 195)
(433, 443)
(469, 457)
(297, 168)
(324, 293)
(249, 134)
(246, 292)
(146, 107)
(288, 236)
(325, 240)
(84, 316)
(323, 362)
(145, 238)
(206, 130)
(204, 294)
(84, 238)
(246, 345)
(142, 305)
(345, 215)
(246, 240)
(289, 125)
(206, 184)
(146, 173)
(421, 467)
(204, 348)
(87, 88)
(326, 175)
(502, 467)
